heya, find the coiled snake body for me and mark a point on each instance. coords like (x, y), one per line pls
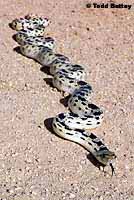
(67, 77)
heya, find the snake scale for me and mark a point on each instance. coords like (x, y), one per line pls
(69, 78)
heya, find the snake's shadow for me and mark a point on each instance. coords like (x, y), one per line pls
(90, 157)
(14, 37)
(94, 161)
(64, 100)
(43, 69)
(10, 25)
(48, 124)
(49, 82)
(17, 49)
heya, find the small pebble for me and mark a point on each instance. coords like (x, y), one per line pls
(72, 196)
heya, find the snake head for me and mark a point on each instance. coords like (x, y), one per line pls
(105, 156)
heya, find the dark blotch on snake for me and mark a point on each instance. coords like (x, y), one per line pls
(79, 130)
(92, 106)
(82, 83)
(92, 136)
(49, 39)
(82, 138)
(84, 118)
(76, 100)
(99, 143)
(69, 133)
(103, 148)
(95, 149)
(66, 127)
(61, 116)
(98, 113)
(70, 117)
(56, 62)
(57, 120)
(83, 103)
(73, 115)
(81, 98)
(54, 125)
(84, 134)
(63, 70)
(71, 81)
(59, 125)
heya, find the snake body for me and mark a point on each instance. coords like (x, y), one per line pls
(67, 77)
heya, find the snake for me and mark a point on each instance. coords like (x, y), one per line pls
(69, 78)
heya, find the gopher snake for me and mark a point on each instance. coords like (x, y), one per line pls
(67, 77)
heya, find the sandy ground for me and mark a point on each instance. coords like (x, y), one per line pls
(36, 164)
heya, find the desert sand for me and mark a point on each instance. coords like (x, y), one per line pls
(35, 163)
